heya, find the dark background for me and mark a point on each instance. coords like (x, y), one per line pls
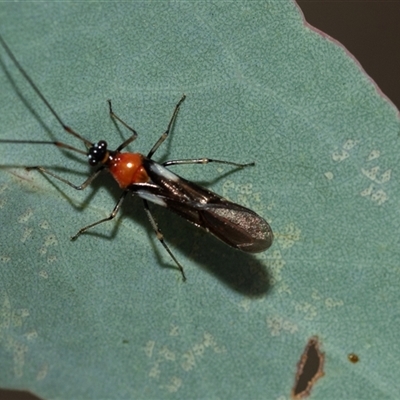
(370, 30)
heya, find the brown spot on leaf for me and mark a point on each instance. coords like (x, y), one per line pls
(353, 358)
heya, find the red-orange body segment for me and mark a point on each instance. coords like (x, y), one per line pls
(127, 168)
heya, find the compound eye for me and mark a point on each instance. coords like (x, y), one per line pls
(97, 153)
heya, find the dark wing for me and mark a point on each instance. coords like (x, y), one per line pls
(235, 225)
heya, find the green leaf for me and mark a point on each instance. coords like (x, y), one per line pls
(108, 316)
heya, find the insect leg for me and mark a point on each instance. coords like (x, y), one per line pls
(134, 133)
(160, 237)
(166, 133)
(205, 161)
(110, 217)
(83, 186)
(40, 94)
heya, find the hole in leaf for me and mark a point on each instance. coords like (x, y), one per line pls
(309, 369)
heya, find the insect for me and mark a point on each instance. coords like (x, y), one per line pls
(237, 226)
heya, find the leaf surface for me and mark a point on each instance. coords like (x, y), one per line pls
(107, 316)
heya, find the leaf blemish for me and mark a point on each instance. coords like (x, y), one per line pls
(341, 154)
(373, 155)
(353, 358)
(26, 216)
(329, 175)
(309, 369)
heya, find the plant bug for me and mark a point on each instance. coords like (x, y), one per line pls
(139, 175)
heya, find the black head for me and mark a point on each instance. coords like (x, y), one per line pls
(98, 153)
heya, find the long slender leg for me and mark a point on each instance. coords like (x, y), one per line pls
(110, 217)
(205, 161)
(83, 186)
(55, 143)
(160, 237)
(166, 133)
(134, 133)
(41, 95)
